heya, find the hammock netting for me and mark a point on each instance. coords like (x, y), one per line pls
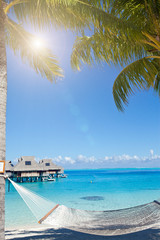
(106, 223)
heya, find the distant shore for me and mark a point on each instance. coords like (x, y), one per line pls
(48, 233)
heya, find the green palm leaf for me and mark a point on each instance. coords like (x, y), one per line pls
(105, 46)
(121, 31)
(43, 61)
(135, 36)
(71, 14)
(140, 74)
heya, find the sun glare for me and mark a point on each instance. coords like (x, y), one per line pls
(38, 43)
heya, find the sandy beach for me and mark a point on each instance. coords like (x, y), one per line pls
(20, 225)
(47, 233)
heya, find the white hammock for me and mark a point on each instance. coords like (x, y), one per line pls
(93, 222)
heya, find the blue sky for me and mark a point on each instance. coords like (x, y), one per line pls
(75, 121)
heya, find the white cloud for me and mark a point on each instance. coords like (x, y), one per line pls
(124, 160)
(82, 158)
(107, 158)
(63, 160)
(123, 157)
(92, 159)
(58, 159)
(69, 160)
(151, 152)
(15, 161)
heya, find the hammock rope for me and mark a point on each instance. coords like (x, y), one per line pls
(106, 223)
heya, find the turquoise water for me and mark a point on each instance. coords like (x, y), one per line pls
(101, 189)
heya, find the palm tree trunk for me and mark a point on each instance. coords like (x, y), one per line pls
(3, 100)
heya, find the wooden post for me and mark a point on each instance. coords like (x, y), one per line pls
(8, 185)
(42, 219)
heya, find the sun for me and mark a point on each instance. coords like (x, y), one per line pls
(38, 43)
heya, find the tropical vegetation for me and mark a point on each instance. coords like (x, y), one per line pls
(125, 32)
(75, 15)
(130, 38)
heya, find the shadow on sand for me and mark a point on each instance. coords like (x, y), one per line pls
(65, 234)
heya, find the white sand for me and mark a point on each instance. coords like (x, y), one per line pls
(48, 233)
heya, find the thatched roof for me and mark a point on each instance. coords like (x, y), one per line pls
(47, 164)
(27, 163)
(9, 166)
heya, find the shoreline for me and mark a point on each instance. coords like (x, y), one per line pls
(16, 231)
(48, 233)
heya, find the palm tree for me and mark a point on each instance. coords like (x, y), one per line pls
(76, 15)
(130, 38)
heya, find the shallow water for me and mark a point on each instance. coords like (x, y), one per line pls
(101, 189)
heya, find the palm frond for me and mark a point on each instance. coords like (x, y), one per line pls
(144, 13)
(121, 31)
(107, 46)
(42, 61)
(157, 83)
(44, 13)
(72, 14)
(11, 4)
(140, 74)
(152, 41)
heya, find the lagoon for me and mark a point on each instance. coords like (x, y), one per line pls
(92, 189)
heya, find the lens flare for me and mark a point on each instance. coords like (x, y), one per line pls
(38, 43)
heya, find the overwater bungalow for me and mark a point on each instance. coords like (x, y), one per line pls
(27, 167)
(29, 170)
(9, 168)
(49, 168)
